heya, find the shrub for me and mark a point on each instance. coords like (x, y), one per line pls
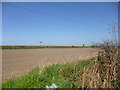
(104, 72)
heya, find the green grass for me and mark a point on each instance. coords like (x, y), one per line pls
(56, 73)
(38, 47)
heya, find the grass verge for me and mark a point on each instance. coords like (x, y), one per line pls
(60, 74)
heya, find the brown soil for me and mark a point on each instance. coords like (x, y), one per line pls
(16, 62)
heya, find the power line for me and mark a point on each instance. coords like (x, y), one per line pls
(98, 19)
(34, 20)
(48, 14)
(38, 11)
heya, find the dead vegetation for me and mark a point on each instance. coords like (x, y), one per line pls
(104, 72)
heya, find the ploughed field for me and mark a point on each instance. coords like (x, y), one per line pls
(16, 62)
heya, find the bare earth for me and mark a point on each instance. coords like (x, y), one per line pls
(16, 62)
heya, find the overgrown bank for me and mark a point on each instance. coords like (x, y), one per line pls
(104, 72)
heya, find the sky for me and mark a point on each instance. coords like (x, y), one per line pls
(57, 23)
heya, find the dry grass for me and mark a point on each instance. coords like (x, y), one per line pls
(104, 72)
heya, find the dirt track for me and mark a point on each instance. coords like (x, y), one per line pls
(16, 62)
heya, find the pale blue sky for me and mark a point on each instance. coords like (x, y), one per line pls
(57, 23)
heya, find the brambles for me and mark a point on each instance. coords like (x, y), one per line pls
(104, 73)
